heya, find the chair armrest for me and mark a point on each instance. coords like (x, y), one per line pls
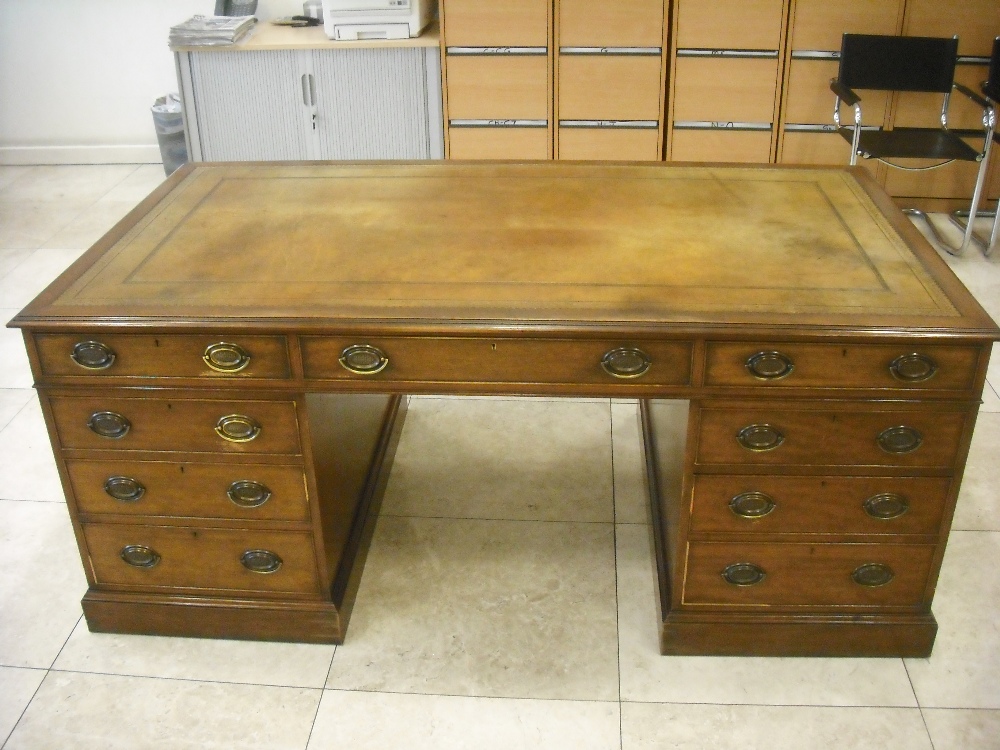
(843, 92)
(971, 94)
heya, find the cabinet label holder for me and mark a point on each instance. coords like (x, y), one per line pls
(497, 51)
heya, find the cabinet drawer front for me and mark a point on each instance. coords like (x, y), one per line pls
(719, 89)
(176, 424)
(819, 24)
(609, 87)
(241, 491)
(512, 23)
(818, 505)
(810, 101)
(618, 144)
(98, 354)
(729, 24)
(807, 574)
(504, 88)
(974, 22)
(819, 148)
(828, 438)
(598, 23)
(199, 558)
(914, 109)
(498, 143)
(497, 361)
(845, 366)
(744, 147)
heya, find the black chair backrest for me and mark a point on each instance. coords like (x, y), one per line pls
(992, 86)
(898, 63)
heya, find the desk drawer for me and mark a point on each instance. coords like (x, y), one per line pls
(456, 360)
(199, 558)
(807, 574)
(194, 356)
(768, 504)
(782, 365)
(104, 421)
(768, 435)
(161, 488)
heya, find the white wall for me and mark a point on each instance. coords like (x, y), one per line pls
(77, 77)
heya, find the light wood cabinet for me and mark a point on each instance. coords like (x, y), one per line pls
(599, 23)
(484, 24)
(597, 143)
(606, 87)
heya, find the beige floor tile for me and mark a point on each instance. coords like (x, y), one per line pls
(10, 173)
(963, 729)
(15, 372)
(139, 184)
(647, 676)
(979, 500)
(106, 712)
(16, 688)
(25, 453)
(30, 224)
(58, 183)
(991, 399)
(484, 608)
(964, 669)
(41, 582)
(657, 726)
(90, 225)
(631, 495)
(206, 660)
(33, 274)
(526, 459)
(12, 400)
(373, 721)
(9, 260)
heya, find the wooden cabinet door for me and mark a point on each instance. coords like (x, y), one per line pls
(729, 24)
(502, 87)
(599, 23)
(724, 89)
(819, 24)
(499, 143)
(976, 23)
(616, 144)
(609, 87)
(808, 98)
(720, 145)
(511, 23)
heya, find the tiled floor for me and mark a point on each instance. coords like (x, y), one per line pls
(507, 602)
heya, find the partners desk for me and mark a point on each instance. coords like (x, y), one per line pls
(223, 377)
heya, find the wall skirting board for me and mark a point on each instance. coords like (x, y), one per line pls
(24, 155)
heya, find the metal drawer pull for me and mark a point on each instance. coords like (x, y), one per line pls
(124, 489)
(759, 438)
(248, 494)
(362, 359)
(260, 561)
(237, 428)
(626, 363)
(913, 368)
(873, 575)
(899, 440)
(885, 506)
(223, 357)
(752, 504)
(743, 574)
(139, 556)
(93, 355)
(770, 366)
(108, 424)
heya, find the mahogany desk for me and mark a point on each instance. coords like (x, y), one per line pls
(222, 375)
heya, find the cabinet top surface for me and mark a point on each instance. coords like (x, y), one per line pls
(517, 246)
(268, 36)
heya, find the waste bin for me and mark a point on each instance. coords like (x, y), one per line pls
(169, 123)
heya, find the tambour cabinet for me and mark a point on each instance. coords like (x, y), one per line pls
(807, 414)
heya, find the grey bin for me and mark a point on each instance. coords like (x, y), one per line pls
(168, 120)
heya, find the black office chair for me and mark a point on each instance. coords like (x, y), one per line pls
(899, 63)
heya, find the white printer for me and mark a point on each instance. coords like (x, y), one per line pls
(353, 20)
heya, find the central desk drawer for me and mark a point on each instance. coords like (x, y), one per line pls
(196, 558)
(481, 360)
(818, 436)
(161, 488)
(807, 574)
(105, 421)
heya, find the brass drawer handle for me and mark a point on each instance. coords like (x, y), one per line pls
(752, 504)
(362, 359)
(248, 494)
(743, 574)
(260, 561)
(885, 506)
(223, 357)
(109, 424)
(760, 438)
(913, 368)
(626, 363)
(124, 489)
(899, 440)
(237, 428)
(93, 355)
(139, 556)
(770, 366)
(872, 575)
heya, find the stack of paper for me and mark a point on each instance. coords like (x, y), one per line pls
(210, 30)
